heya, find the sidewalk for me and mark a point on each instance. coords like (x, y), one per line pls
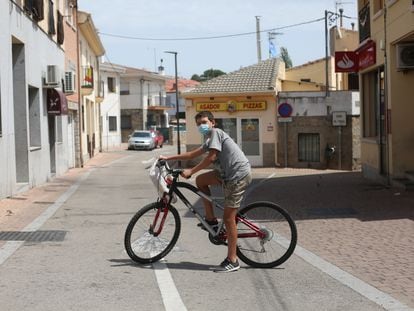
(361, 227)
(357, 225)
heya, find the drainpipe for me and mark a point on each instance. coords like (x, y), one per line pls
(99, 104)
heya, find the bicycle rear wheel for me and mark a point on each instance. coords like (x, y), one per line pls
(280, 235)
(152, 233)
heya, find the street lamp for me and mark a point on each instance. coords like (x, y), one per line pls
(177, 116)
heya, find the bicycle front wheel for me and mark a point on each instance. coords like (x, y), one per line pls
(152, 233)
(278, 235)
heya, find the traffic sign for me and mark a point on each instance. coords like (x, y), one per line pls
(285, 110)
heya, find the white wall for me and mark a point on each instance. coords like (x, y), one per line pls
(316, 104)
(40, 51)
(111, 107)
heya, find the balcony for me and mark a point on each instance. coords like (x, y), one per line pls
(87, 80)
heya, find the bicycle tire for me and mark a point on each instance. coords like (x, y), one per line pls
(280, 240)
(141, 244)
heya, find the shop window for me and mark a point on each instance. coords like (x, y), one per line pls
(111, 84)
(112, 123)
(369, 104)
(308, 147)
(126, 123)
(229, 125)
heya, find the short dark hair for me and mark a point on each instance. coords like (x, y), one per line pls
(203, 114)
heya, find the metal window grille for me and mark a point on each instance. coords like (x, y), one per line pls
(309, 147)
(112, 123)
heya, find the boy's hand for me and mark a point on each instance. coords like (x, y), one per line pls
(186, 173)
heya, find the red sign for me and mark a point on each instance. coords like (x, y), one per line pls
(367, 55)
(346, 61)
(56, 102)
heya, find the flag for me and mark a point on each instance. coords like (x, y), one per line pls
(272, 49)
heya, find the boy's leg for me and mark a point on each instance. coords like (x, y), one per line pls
(231, 229)
(203, 181)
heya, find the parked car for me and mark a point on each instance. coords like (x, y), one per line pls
(142, 140)
(159, 138)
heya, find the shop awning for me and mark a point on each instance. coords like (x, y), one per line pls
(56, 102)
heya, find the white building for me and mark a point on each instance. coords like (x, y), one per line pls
(111, 105)
(33, 133)
(142, 101)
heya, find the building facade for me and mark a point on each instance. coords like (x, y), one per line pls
(244, 105)
(319, 132)
(33, 107)
(90, 51)
(386, 67)
(143, 103)
(111, 105)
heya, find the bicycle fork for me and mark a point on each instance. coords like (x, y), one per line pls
(159, 220)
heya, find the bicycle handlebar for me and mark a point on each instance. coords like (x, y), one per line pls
(174, 171)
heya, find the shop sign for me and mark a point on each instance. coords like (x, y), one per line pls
(231, 106)
(211, 106)
(56, 102)
(346, 61)
(367, 55)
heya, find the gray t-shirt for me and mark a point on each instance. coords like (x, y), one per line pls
(232, 163)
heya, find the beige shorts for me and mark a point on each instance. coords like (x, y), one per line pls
(234, 191)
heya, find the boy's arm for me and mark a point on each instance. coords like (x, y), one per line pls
(210, 158)
(185, 156)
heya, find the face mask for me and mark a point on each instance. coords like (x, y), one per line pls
(204, 129)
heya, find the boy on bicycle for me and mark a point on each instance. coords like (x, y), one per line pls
(231, 169)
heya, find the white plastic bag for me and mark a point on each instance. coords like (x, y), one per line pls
(158, 176)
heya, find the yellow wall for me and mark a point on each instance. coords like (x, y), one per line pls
(301, 86)
(400, 90)
(313, 70)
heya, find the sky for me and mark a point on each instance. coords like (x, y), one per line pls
(177, 25)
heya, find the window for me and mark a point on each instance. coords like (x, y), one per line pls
(111, 85)
(34, 117)
(229, 126)
(51, 19)
(308, 147)
(112, 123)
(126, 122)
(69, 5)
(124, 88)
(59, 136)
(369, 104)
(378, 5)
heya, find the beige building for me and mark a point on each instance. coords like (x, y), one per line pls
(386, 64)
(90, 50)
(244, 105)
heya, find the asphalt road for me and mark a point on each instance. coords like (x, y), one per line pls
(89, 269)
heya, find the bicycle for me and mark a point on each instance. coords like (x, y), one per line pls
(267, 235)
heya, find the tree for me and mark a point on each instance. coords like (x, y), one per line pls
(207, 75)
(285, 57)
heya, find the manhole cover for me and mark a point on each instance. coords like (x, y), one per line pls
(33, 236)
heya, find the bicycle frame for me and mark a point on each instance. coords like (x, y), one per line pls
(174, 189)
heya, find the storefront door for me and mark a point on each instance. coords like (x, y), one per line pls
(246, 133)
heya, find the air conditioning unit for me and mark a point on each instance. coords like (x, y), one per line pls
(52, 75)
(70, 82)
(405, 56)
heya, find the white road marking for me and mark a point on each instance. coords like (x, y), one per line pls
(169, 293)
(366, 290)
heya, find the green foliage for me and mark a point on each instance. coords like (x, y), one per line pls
(207, 75)
(285, 57)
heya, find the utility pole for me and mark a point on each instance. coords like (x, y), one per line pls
(258, 41)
